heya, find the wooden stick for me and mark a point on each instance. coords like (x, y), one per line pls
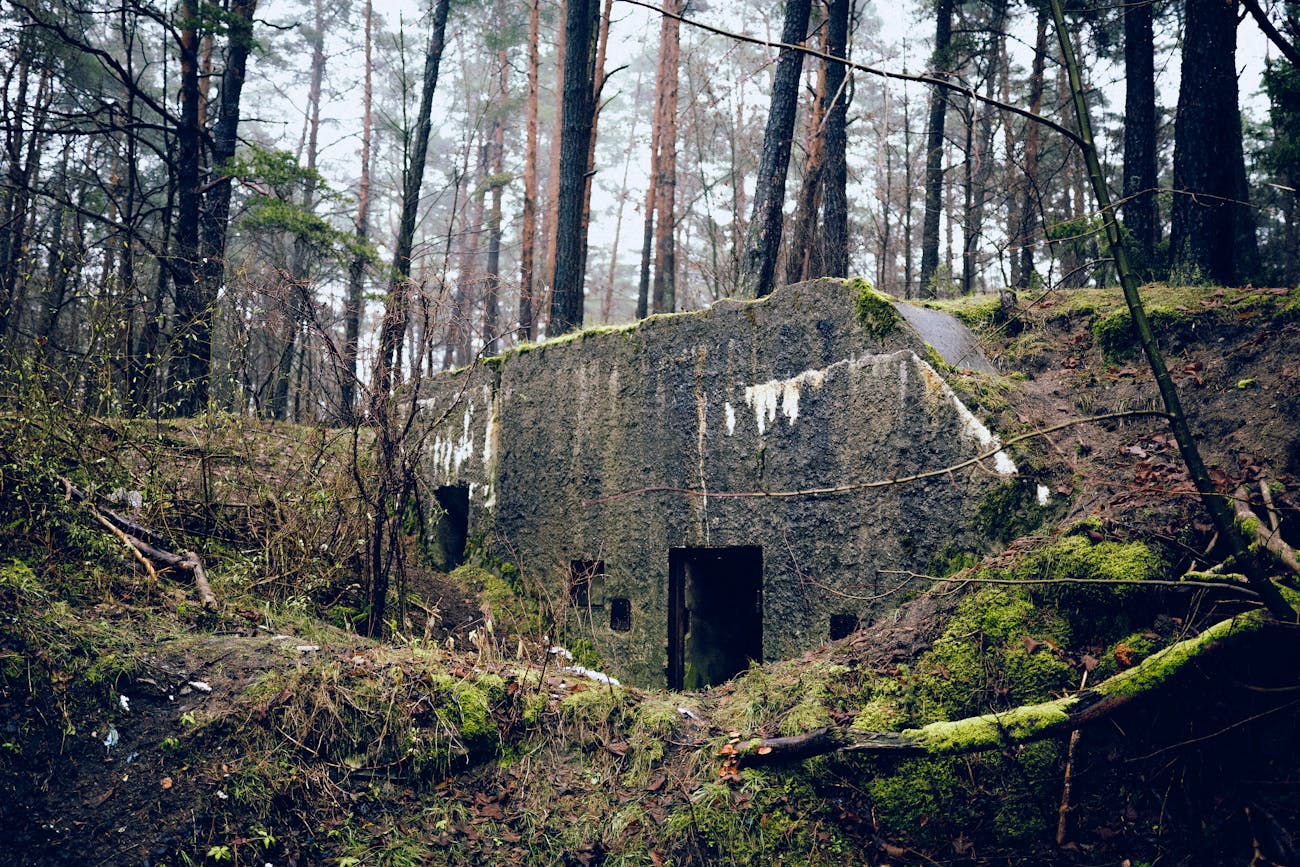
(143, 551)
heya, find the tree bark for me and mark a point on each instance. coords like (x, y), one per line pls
(1204, 220)
(835, 204)
(396, 307)
(665, 284)
(1141, 212)
(1030, 206)
(803, 258)
(940, 66)
(581, 26)
(528, 230)
(352, 304)
(192, 337)
(497, 182)
(763, 239)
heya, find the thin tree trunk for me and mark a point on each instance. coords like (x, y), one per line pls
(396, 306)
(763, 239)
(349, 376)
(665, 285)
(1029, 202)
(529, 228)
(607, 305)
(803, 253)
(941, 64)
(651, 197)
(192, 337)
(492, 277)
(298, 292)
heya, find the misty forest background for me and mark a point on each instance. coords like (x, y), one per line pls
(287, 209)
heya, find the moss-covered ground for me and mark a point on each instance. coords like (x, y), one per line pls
(140, 728)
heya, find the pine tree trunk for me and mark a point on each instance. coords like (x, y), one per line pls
(835, 214)
(802, 262)
(1141, 213)
(352, 304)
(192, 337)
(763, 239)
(528, 230)
(1204, 224)
(492, 275)
(665, 284)
(582, 26)
(393, 329)
(1030, 204)
(940, 65)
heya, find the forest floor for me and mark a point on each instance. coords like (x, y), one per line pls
(141, 728)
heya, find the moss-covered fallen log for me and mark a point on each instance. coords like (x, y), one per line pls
(1016, 726)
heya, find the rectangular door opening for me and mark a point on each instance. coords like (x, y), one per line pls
(715, 614)
(446, 544)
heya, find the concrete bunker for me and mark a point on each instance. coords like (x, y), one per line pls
(708, 488)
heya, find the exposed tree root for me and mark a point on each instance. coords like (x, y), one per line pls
(1015, 726)
(146, 553)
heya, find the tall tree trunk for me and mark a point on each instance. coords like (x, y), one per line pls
(529, 229)
(192, 337)
(581, 29)
(763, 240)
(1030, 206)
(551, 214)
(1011, 170)
(348, 377)
(492, 275)
(298, 292)
(802, 260)
(665, 285)
(941, 64)
(1141, 212)
(396, 305)
(1207, 148)
(598, 85)
(468, 274)
(983, 169)
(651, 198)
(835, 205)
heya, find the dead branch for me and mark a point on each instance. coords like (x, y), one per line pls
(1016, 726)
(144, 552)
(1272, 540)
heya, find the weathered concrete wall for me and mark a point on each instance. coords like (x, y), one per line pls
(785, 394)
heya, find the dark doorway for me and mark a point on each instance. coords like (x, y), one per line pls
(715, 614)
(447, 542)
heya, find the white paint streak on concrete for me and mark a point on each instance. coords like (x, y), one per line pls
(729, 412)
(766, 397)
(448, 453)
(972, 429)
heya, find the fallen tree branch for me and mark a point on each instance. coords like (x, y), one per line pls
(1271, 540)
(1016, 726)
(145, 552)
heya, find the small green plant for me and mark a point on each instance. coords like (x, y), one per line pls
(220, 853)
